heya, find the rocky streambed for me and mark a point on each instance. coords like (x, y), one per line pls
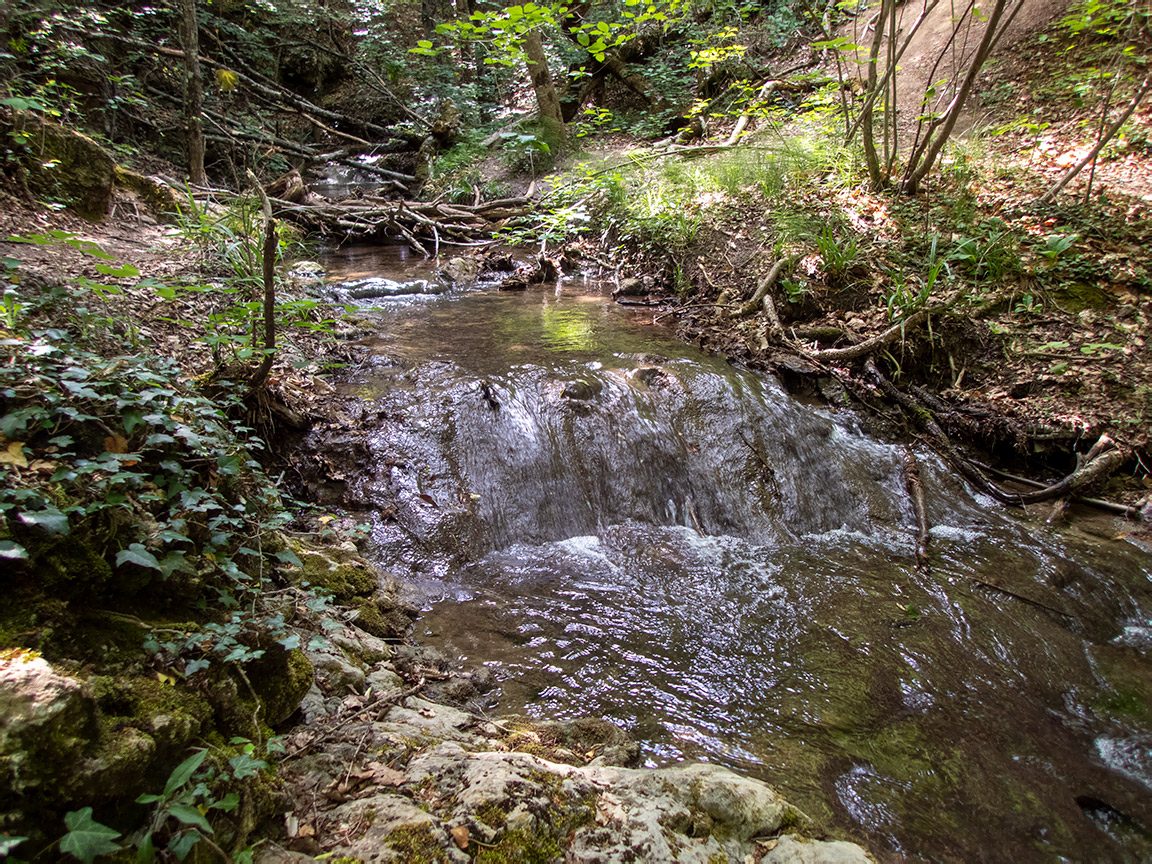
(385, 767)
(616, 526)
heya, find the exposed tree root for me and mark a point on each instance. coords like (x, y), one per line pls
(762, 298)
(868, 346)
(1099, 463)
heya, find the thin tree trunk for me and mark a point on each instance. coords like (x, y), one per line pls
(268, 271)
(868, 134)
(193, 91)
(548, 103)
(917, 171)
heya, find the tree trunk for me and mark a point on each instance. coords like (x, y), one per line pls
(921, 162)
(193, 91)
(551, 118)
(877, 179)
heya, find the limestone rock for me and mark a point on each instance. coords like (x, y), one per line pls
(526, 806)
(334, 672)
(154, 192)
(439, 721)
(797, 850)
(461, 271)
(71, 165)
(47, 721)
(383, 680)
(399, 831)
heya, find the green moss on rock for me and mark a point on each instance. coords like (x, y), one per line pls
(72, 166)
(521, 847)
(348, 576)
(417, 844)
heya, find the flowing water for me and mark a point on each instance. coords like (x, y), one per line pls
(621, 525)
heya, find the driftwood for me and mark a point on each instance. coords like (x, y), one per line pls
(417, 222)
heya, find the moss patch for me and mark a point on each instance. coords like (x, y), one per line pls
(521, 847)
(417, 844)
(348, 576)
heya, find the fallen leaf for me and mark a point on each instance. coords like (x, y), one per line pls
(14, 455)
(116, 444)
(382, 775)
(460, 835)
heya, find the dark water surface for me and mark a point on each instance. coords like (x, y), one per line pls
(621, 525)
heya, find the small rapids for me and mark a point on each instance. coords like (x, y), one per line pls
(621, 525)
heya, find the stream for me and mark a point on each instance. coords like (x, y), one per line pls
(621, 525)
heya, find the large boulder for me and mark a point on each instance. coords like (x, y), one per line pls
(64, 163)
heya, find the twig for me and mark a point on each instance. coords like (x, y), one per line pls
(915, 488)
(327, 735)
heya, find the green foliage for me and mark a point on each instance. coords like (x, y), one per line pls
(87, 838)
(840, 256)
(1056, 245)
(179, 817)
(123, 434)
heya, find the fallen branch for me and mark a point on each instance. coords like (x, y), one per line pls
(389, 700)
(1131, 511)
(1100, 144)
(915, 488)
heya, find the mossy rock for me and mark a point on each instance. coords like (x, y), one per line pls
(384, 618)
(156, 194)
(69, 565)
(170, 713)
(342, 571)
(281, 678)
(66, 163)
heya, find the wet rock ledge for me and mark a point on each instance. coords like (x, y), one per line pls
(388, 765)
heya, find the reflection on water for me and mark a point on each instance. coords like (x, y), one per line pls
(679, 546)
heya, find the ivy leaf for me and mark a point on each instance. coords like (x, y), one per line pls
(138, 555)
(51, 520)
(195, 666)
(12, 552)
(287, 556)
(183, 844)
(87, 838)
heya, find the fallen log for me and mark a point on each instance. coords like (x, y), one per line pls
(417, 222)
